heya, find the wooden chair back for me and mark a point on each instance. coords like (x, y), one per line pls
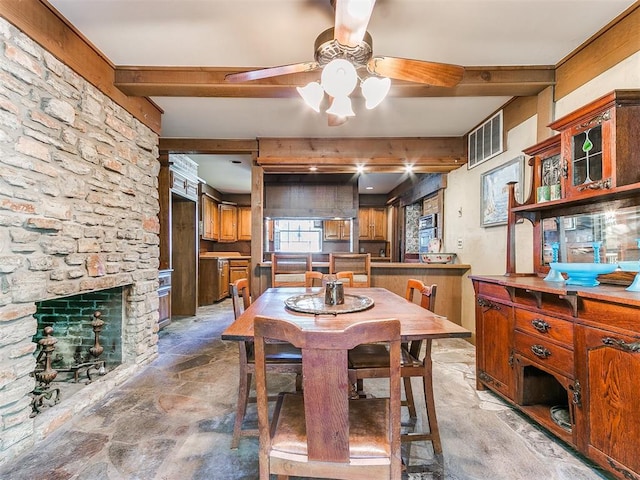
(312, 279)
(288, 269)
(345, 277)
(358, 263)
(427, 293)
(324, 449)
(240, 296)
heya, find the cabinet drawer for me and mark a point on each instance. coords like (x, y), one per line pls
(492, 290)
(238, 263)
(545, 353)
(545, 326)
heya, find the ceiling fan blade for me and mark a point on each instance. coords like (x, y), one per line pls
(271, 72)
(352, 18)
(419, 71)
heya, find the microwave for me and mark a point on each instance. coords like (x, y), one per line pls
(429, 221)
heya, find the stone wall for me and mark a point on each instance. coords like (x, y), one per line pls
(78, 213)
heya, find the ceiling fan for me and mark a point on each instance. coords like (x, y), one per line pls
(345, 55)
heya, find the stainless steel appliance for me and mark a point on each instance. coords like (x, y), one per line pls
(427, 230)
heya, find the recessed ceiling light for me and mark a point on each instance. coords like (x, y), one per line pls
(360, 168)
(313, 169)
(368, 188)
(408, 168)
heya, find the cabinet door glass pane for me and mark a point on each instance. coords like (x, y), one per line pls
(586, 162)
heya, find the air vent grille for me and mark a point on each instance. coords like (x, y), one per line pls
(485, 141)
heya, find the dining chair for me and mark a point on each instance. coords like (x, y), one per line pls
(322, 432)
(348, 276)
(370, 361)
(280, 358)
(313, 278)
(358, 263)
(288, 269)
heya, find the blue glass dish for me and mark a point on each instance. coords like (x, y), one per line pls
(584, 274)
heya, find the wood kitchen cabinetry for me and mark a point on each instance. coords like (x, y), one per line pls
(244, 223)
(164, 298)
(372, 222)
(337, 229)
(213, 280)
(228, 222)
(565, 354)
(210, 219)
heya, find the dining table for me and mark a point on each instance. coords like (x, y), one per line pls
(416, 323)
(371, 303)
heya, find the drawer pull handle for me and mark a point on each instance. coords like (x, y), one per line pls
(540, 325)
(540, 351)
(615, 342)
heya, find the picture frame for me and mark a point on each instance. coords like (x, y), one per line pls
(494, 199)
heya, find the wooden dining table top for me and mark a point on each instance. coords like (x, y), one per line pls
(416, 323)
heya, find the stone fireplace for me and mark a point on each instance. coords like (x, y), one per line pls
(78, 215)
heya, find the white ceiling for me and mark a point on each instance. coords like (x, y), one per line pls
(263, 33)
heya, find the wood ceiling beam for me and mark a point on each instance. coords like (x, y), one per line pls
(146, 81)
(208, 146)
(381, 155)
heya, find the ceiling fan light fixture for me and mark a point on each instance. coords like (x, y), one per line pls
(341, 107)
(339, 78)
(374, 90)
(312, 94)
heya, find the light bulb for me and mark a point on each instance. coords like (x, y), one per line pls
(374, 90)
(312, 94)
(339, 78)
(341, 107)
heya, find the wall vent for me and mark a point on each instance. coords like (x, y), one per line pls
(485, 141)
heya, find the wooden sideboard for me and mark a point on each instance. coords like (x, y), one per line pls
(565, 354)
(543, 344)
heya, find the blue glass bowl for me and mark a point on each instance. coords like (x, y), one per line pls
(584, 274)
(630, 266)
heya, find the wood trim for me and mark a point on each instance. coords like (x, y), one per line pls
(517, 111)
(210, 82)
(42, 23)
(617, 41)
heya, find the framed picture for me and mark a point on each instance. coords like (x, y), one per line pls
(494, 191)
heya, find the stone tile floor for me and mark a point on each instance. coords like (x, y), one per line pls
(173, 421)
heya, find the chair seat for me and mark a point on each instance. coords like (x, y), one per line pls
(375, 355)
(368, 427)
(278, 353)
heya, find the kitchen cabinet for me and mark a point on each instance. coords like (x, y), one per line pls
(213, 284)
(244, 223)
(164, 298)
(210, 220)
(228, 223)
(183, 184)
(372, 223)
(238, 268)
(336, 230)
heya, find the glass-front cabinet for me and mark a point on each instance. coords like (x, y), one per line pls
(598, 144)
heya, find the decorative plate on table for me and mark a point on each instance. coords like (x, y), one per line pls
(314, 303)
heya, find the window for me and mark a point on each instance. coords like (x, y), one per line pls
(297, 236)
